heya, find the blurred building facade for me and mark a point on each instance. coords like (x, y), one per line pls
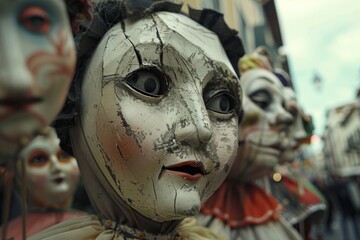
(342, 140)
(255, 20)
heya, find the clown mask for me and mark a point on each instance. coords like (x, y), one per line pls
(264, 129)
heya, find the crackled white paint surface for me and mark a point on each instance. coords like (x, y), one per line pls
(132, 136)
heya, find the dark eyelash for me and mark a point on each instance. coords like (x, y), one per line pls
(263, 92)
(264, 102)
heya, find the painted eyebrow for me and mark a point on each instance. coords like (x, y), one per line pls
(267, 79)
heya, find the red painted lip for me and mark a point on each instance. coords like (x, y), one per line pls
(185, 176)
(19, 102)
(188, 170)
(276, 146)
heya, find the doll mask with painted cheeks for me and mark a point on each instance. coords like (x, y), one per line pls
(51, 174)
(264, 127)
(159, 117)
(37, 60)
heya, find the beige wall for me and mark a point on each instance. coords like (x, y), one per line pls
(191, 3)
(227, 8)
(230, 13)
(251, 12)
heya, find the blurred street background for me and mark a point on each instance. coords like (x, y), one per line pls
(317, 44)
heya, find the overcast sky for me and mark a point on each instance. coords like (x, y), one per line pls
(322, 36)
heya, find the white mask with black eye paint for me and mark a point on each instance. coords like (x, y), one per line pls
(37, 61)
(161, 122)
(264, 126)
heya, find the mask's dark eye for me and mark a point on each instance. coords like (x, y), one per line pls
(38, 158)
(64, 156)
(147, 82)
(262, 98)
(35, 20)
(221, 102)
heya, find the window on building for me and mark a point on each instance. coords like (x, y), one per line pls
(213, 4)
(259, 32)
(243, 29)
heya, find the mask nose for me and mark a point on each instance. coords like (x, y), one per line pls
(283, 117)
(15, 78)
(299, 129)
(54, 164)
(194, 126)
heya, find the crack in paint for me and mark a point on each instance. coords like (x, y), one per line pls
(128, 129)
(175, 199)
(168, 142)
(160, 40)
(137, 53)
(120, 152)
(153, 184)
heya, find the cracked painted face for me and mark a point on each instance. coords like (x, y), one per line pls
(37, 61)
(264, 127)
(297, 132)
(159, 118)
(51, 174)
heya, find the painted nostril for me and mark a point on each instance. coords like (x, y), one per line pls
(55, 170)
(284, 118)
(288, 120)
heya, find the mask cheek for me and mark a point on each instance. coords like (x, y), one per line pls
(74, 176)
(37, 181)
(224, 159)
(228, 160)
(53, 73)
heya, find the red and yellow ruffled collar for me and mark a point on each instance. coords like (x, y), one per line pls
(239, 205)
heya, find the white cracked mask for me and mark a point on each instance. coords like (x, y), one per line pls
(160, 104)
(37, 60)
(51, 174)
(264, 130)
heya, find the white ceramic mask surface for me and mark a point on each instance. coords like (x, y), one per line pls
(37, 60)
(161, 121)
